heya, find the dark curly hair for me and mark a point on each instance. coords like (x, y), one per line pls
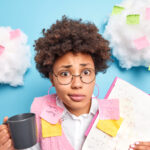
(69, 35)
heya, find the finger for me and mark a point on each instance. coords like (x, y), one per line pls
(4, 136)
(2, 127)
(4, 132)
(7, 145)
(139, 147)
(12, 148)
(143, 143)
(4, 139)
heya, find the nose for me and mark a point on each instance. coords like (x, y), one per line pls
(76, 82)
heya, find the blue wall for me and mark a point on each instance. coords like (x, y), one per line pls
(33, 15)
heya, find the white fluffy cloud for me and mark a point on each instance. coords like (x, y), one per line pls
(14, 56)
(122, 36)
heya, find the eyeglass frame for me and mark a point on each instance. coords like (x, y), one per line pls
(76, 76)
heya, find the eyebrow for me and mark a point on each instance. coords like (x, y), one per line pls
(69, 66)
(85, 64)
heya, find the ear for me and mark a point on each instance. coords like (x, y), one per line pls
(51, 78)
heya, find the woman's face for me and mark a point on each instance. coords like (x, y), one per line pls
(76, 96)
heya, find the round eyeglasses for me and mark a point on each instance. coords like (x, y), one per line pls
(87, 75)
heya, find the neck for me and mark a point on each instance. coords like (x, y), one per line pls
(78, 112)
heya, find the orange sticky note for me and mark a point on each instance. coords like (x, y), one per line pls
(49, 130)
(110, 127)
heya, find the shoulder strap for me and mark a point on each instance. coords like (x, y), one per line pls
(37, 106)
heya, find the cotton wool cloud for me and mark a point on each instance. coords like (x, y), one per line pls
(128, 31)
(14, 56)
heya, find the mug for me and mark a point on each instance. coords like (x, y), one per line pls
(22, 129)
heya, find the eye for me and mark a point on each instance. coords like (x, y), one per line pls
(86, 72)
(64, 74)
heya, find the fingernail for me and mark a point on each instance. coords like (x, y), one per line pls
(132, 145)
(137, 143)
(130, 149)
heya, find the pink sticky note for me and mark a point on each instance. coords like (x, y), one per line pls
(141, 43)
(2, 48)
(52, 114)
(147, 14)
(109, 109)
(14, 34)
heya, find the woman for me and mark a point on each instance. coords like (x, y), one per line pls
(70, 54)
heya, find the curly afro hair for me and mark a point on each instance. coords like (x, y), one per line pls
(74, 36)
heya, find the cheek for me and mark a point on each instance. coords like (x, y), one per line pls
(61, 90)
(90, 88)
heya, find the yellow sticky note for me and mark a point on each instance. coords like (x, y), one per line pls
(149, 68)
(117, 10)
(49, 130)
(133, 19)
(110, 127)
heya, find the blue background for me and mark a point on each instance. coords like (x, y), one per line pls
(31, 16)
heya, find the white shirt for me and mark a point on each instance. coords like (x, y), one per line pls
(74, 127)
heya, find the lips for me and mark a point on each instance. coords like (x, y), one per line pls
(76, 97)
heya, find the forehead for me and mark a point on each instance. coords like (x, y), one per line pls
(75, 60)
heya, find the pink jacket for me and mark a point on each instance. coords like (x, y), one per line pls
(49, 143)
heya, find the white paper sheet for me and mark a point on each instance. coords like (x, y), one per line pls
(134, 109)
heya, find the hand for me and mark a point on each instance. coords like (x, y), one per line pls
(5, 139)
(140, 146)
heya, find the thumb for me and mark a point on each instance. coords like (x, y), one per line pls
(5, 119)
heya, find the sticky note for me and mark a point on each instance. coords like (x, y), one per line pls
(149, 68)
(14, 34)
(52, 114)
(117, 10)
(109, 109)
(2, 48)
(147, 14)
(141, 43)
(110, 127)
(133, 19)
(49, 130)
